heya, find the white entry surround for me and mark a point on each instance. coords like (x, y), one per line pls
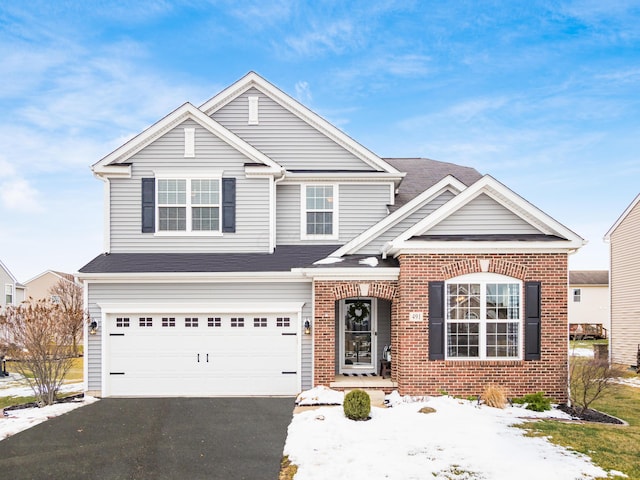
(207, 350)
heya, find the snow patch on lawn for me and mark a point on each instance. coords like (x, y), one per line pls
(461, 440)
(581, 352)
(320, 395)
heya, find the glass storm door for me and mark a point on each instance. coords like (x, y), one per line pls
(358, 335)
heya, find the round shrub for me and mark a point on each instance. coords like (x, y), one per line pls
(357, 405)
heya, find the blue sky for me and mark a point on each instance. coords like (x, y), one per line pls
(542, 95)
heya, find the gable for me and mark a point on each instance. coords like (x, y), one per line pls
(117, 162)
(628, 224)
(285, 137)
(483, 215)
(254, 83)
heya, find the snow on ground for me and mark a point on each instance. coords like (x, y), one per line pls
(581, 352)
(19, 420)
(460, 441)
(629, 382)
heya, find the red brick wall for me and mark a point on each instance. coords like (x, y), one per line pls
(411, 367)
(324, 341)
(417, 375)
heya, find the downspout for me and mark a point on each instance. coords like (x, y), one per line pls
(273, 232)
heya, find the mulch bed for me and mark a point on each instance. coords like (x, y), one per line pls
(590, 415)
(71, 398)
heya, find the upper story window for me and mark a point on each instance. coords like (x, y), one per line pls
(319, 211)
(577, 295)
(483, 317)
(8, 294)
(188, 205)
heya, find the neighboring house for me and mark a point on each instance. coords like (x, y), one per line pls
(13, 292)
(624, 249)
(252, 248)
(589, 303)
(39, 287)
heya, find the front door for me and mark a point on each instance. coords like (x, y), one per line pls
(357, 336)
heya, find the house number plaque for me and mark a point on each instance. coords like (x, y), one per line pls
(415, 316)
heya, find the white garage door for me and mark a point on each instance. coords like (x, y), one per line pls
(202, 354)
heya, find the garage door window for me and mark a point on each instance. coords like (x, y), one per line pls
(146, 322)
(122, 322)
(259, 322)
(214, 322)
(283, 322)
(168, 322)
(237, 322)
(191, 322)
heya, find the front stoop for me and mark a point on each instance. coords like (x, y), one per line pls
(384, 385)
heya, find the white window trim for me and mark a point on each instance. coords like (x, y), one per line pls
(483, 279)
(577, 295)
(188, 232)
(9, 290)
(303, 212)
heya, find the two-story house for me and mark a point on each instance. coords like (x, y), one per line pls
(589, 303)
(252, 248)
(624, 257)
(13, 291)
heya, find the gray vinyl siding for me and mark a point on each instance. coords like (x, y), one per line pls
(167, 152)
(625, 285)
(359, 207)
(483, 215)
(197, 293)
(375, 246)
(284, 137)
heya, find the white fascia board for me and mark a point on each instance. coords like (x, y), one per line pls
(366, 273)
(261, 171)
(13, 279)
(112, 171)
(449, 183)
(213, 307)
(193, 277)
(505, 197)
(607, 236)
(426, 247)
(344, 177)
(182, 113)
(252, 79)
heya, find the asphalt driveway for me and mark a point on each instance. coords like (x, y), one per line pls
(157, 438)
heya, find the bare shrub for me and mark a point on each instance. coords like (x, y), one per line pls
(35, 335)
(589, 379)
(69, 297)
(494, 396)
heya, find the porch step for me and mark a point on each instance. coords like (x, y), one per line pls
(368, 384)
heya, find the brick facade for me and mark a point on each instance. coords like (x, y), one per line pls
(414, 373)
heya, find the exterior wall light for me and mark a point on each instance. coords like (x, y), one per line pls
(307, 327)
(93, 328)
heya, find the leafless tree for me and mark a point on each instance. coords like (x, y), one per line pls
(589, 379)
(35, 335)
(69, 297)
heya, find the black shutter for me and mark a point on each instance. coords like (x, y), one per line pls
(436, 320)
(228, 204)
(532, 330)
(148, 205)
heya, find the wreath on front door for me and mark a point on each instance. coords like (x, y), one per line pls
(358, 311)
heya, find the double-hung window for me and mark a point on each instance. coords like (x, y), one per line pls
(483, 317)
(8, 294)
(188, 204)
(319, 213)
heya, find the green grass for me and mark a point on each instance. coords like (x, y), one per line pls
(612, 447)
(587, 343)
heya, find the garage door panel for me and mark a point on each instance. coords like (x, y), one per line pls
(175, 355)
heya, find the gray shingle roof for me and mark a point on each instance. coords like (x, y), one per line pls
(283, 259)
(589, 277)
(423, 173)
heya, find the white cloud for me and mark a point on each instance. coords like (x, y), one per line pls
(17, 194)
(303, 92)
(335, 37)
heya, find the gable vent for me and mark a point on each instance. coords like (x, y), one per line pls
(189, 142)
(253, 110)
